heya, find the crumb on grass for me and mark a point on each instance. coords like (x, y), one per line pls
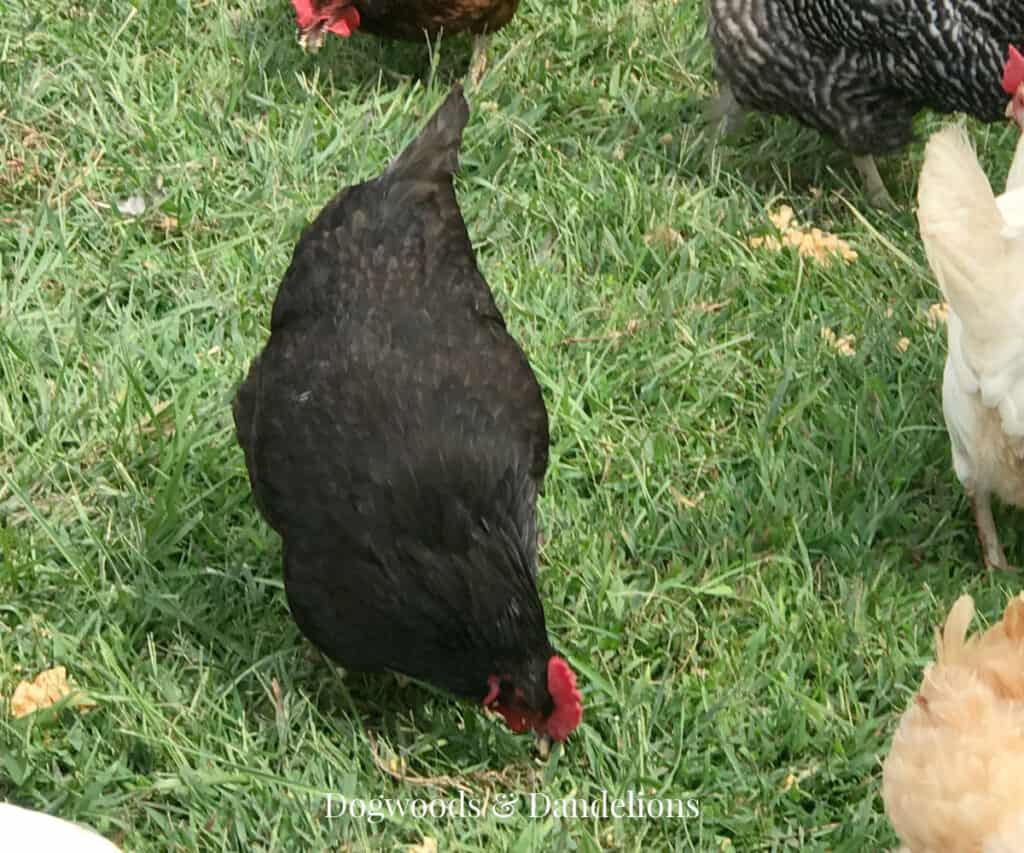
(813, 243)
(45, 690)
(938, 313)
(842, 344)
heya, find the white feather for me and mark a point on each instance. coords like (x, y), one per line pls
(975, 246)
(27, 830)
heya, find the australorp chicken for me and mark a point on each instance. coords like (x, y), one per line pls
(409, 20)
(860, 70)
(396, 439)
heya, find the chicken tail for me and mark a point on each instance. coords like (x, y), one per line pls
(961, 228)
(973, 247)
(433, 156)
(953, 637)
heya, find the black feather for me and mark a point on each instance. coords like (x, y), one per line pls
(861, 69)
(396, 437)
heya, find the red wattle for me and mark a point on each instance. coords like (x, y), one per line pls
(346, 23)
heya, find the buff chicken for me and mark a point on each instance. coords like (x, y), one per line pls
(952, 782)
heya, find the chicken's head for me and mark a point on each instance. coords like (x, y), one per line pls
(547, 702)
(1013, 85)
(314, 18)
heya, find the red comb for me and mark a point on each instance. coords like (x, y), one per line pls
(341, 21)
(568, 700)
(305, 17)
(1013, 72)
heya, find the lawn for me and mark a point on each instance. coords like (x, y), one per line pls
(750, 530)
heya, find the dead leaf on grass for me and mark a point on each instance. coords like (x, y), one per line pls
(665, 236)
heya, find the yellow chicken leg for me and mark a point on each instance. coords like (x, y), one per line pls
(878, 195)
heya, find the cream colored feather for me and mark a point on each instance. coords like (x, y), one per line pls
(952, 781)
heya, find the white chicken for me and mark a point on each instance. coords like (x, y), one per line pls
(24, 830)
(975, 246)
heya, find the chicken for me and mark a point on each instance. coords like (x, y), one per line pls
(24, 830)
(975, 247)
(405, 19)
(396, 439)
(952, 781)
(860, 70)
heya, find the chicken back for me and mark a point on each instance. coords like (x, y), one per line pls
(861, 70)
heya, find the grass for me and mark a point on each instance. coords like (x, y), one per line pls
(749, 537)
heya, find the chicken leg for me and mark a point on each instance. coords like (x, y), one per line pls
(878, 195)
(726, 115)
(991, 549)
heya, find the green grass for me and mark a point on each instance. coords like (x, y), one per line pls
(748, 537)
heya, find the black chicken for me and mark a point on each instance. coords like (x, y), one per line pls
(409, 20)
(861, 69)
(396, 439)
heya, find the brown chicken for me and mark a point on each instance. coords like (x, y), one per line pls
(952, 782)
(408, 20)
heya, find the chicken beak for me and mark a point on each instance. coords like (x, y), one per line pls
(310, 39)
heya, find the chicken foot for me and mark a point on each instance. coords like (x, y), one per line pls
(991, 548)
(878, 195)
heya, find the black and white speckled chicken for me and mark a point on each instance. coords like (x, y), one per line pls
(860, 70)
(397, 439)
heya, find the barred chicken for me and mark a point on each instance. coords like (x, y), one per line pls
(860, 71)
(952, 782)
(975, 246)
